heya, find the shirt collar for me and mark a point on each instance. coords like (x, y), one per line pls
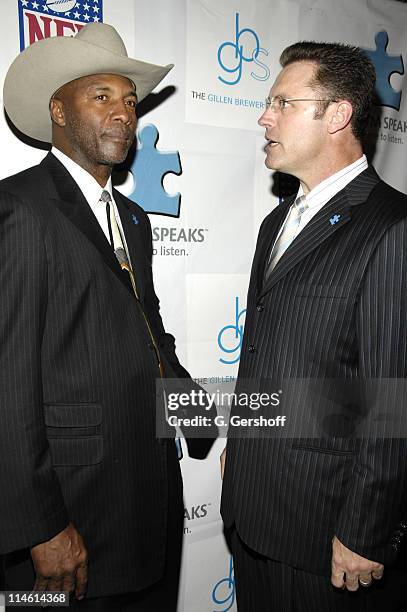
(334, 183)
(85, 181)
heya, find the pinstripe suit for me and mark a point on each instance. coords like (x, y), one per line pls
(334, 307)
(78, 371)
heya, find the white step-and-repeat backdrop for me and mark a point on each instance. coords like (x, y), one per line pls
(200, 173)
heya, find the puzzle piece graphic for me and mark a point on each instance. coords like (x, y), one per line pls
(386, 65)
(148, 169)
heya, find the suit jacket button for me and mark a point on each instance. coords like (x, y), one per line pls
(252, 348)
(260, 307)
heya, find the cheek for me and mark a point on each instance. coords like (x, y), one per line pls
(306, 138)
(293, 136)
(82, 129)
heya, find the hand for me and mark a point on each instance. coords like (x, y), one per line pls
(61, 564)
(349, 569)
(222, 462)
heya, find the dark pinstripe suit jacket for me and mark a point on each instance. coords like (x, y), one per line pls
(334, 307)
(77, 370)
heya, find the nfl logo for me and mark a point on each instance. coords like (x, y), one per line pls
(45, 18)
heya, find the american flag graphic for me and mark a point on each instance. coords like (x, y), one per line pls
(40, 19)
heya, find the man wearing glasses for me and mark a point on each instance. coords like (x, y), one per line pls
(327, 300)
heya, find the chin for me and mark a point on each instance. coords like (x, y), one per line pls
(112, 158)
(271, 165)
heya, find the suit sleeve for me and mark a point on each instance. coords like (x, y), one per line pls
(166, 342)
(32, 507)
(376, 506)
(198, 447)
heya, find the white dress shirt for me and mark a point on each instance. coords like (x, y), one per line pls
(324, 191)
(92, 192)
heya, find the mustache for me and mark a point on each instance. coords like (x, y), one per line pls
(120, 132)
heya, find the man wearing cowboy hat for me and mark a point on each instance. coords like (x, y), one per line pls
(91, 500)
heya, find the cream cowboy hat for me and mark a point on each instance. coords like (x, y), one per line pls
(39, 71)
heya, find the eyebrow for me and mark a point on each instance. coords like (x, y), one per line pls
(280, 95)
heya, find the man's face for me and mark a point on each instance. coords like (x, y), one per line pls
(296, 139)
(99, 119)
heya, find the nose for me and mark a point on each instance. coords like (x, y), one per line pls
(268, 118)
(121, 111)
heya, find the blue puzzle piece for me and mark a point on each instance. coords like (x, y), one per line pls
(148, 169)
(385, 66)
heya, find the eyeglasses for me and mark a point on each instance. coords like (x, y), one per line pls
(276, 103)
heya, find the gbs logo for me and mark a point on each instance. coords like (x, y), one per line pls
(224, 593)
(232, 55)
(233, 336)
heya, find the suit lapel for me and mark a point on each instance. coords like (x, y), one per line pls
(72, 203)
(330, 219)
(268, 237)
(132, 231)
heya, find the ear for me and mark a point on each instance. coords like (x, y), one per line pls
(340, 114)
(56, 109)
